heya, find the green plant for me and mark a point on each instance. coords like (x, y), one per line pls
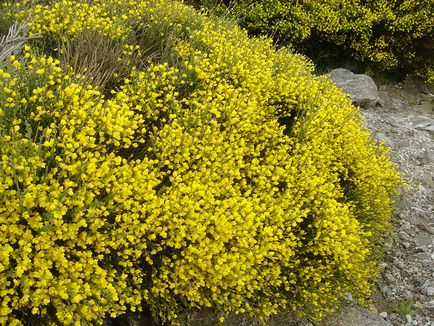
(405, 307)
(385, 34)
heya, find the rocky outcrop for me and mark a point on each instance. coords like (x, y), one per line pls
(360, 88)
(404, 121)
(351, 314)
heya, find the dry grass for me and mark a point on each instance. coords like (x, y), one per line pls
(13, 42)
(95, 57)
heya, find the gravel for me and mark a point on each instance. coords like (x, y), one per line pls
(406, 285)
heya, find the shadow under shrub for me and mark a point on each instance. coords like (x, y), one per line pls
(223, 175)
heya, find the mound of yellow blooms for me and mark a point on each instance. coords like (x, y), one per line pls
(219, 173)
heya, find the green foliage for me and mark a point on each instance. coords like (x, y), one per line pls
(405, 308)
(387, 34)
(219, 173)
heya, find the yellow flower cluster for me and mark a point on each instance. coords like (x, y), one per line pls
(68, 18)
(386, 33)
(222, 174)
(69, 200)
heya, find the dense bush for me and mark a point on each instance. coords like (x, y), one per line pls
(387, 34)
(206, 169)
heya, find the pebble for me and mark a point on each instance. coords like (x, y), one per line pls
(425, 227)
(384, 314)
(406, 225)
(422, 123)
(389, 278)
(414, 270)
(423, 256)
(424, 240)
(428, 157)
(383, 138)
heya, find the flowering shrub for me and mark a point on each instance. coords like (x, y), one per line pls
(220, 173)
(387, 34)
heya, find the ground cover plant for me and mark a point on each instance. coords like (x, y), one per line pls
(154, 157)
(385, 35)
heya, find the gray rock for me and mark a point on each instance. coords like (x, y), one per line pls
(428, 288)
(351, 314)
(406, 245)
(399, 104)
(383, 314)
(423, 256)
(380, 137)
(405, 204)
(383, 138)
(361, 89)
(422, 123)
(410, 96)
(389, 278)
(135, 319)
(304, 322)
(423, 240)
(425, 227)
(427, 158)
(426, 107)
(388, 99)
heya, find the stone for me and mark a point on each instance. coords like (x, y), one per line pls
(389, 278)
(383, 314)
(405, 204)
(383, 138)
(427, 158)
(423, 256)
(403, 235)
(360, 88)
(304, 322)
(425, 107)
(399, 104)
(350, 314)
(134, 319)
(422, 123)
(425, 227)
(423, 240)
(373, 309)
(428, 288)
(414, 270)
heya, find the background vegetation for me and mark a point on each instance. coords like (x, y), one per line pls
(383, 35)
